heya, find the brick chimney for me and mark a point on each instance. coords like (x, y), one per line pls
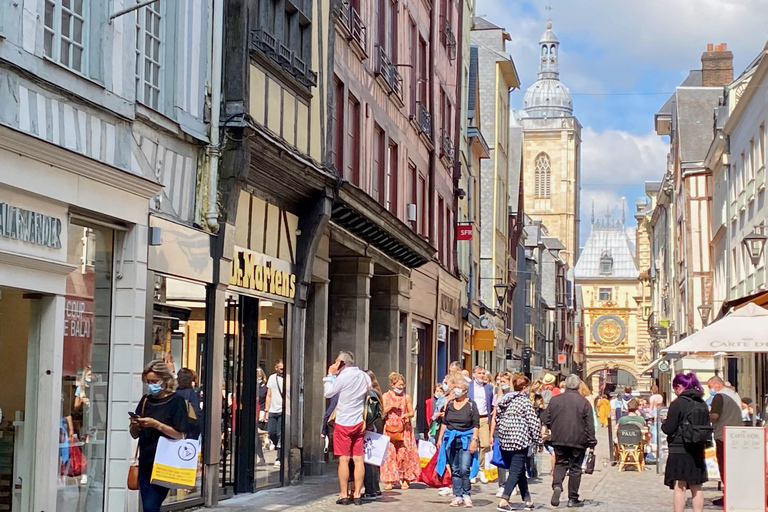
(716, 66)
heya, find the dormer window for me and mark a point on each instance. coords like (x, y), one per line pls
(606, 264)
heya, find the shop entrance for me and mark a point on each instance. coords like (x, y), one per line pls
(252, 394)
(19, 344)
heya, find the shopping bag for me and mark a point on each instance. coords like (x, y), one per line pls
(375, 447)
(175, 464)
(589, 467)
(496, 458)
(430, 477)
(491, 471)
(426, 451)
(77, 464)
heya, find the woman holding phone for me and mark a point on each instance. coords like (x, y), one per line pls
(161, 412)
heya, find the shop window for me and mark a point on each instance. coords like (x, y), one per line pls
(82, 430)
(178, 338)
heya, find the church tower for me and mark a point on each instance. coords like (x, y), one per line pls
(551, 155)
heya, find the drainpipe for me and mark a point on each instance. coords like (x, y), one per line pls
(214, 150)
(434, 39)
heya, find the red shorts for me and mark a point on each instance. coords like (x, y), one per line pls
(348, 441)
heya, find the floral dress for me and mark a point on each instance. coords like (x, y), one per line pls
(402, 462)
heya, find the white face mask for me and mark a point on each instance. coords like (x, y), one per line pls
(457, 392)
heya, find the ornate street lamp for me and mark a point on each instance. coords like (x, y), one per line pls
(501, 292)
(755, 243)
(704, 310)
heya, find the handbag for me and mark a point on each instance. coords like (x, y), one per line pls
(590, 468)
(133, 472)
(133, 469)
(496, 458)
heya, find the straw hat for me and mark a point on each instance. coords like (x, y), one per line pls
(548, 379)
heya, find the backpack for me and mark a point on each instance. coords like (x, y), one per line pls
(695, 426)
(373, 411)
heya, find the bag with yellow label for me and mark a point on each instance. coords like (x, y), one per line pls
(175, 464)
(491, 471)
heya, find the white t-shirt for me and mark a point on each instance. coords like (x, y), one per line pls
(480, 401)
(277, 386)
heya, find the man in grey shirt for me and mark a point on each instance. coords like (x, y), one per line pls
(724, 412)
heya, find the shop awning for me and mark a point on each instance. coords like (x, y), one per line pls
(759, 298)
(651, 366)
(743, 330)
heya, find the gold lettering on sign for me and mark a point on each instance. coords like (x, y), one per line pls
(258, 272)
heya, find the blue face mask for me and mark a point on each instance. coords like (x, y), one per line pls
(398, 391)
(445, 387)
(155, 389)
(505, 387)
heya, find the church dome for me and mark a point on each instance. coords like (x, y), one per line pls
(548, 97)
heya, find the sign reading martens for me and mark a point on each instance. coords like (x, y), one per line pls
(31, 227)
(259, 272)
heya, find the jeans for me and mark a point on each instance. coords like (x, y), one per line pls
(515, 462)
(371, 481)
(461, 463)
(275, 429)
(152, 496)
(568, 459)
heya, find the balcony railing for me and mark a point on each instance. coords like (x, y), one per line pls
(389, 74)
(424, 119)
(446, 146)
(352, 26)
(448, 39)
(264, 42)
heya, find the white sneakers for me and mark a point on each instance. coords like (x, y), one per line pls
(457, 502)
(467, 502)
(482, 477)
(445, 492)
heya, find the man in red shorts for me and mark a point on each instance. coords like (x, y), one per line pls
(351, 385)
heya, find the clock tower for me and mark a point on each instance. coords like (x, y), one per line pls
(613, 322)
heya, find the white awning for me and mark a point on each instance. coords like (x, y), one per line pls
(651, 366)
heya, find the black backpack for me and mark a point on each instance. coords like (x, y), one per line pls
(696, 427)
(374, 411)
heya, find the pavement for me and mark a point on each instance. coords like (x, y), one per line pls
(607, 490)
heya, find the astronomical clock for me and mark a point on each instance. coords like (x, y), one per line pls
(609, 332)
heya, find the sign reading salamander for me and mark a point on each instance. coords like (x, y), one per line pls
(261, 273)
(30, 227)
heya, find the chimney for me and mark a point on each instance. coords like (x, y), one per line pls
(716, 66)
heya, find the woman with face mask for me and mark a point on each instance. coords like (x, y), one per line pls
(458, 442)
(502, 388)
(402, 462)
(161, 412)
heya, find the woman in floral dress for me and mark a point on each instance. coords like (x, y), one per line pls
(402, 462)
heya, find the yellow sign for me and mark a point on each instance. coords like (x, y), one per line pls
(483, 339)
(261, 273)
(173, 477)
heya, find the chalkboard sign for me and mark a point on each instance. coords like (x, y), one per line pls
(745, 469)
(662, 449)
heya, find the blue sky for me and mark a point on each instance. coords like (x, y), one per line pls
(617, 58)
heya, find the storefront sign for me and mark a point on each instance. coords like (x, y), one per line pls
(30, 227)
(464, 232)
(259, 272)
(483, 339)
(745, 469)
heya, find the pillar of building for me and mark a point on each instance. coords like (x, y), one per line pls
(315, 368)
(349, 308)
(389, 298)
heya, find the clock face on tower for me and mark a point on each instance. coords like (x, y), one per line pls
(609, 330)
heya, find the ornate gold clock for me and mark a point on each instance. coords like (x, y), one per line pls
(609, 330)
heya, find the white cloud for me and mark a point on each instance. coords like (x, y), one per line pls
(617, 157)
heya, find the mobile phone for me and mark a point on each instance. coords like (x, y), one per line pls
(133, 415)
(341, 365)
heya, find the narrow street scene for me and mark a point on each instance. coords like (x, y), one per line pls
(268, 255)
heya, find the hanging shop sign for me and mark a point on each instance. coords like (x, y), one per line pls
(30, 227)
(483, 339)
(464, 232)
(261, 273)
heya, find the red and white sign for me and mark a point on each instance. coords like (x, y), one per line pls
(464, 232)
(561, 358)
(745, 469)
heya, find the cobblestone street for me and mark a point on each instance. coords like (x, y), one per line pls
(606, 490)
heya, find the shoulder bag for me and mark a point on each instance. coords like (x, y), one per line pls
(133, 470)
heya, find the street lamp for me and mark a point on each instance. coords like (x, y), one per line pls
(704, 310)
(755, 243)
(501, 292)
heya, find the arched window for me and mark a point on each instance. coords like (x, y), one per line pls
(543, 187)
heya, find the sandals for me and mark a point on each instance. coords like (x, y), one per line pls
(405, 485)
